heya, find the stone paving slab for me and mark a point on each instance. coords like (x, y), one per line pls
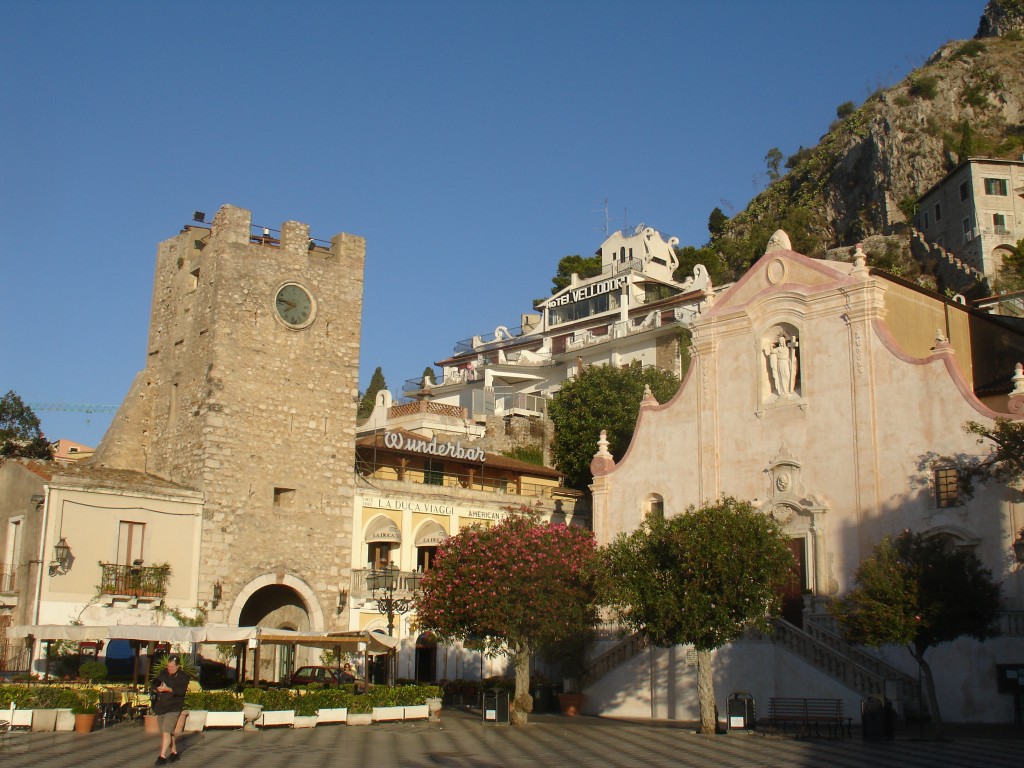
(460, 740)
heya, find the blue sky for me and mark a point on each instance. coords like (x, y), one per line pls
(471, 143)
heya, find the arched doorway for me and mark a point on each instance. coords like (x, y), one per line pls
(426, 658)
(276, 606)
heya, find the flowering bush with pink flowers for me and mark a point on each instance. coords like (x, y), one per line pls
(517, 587)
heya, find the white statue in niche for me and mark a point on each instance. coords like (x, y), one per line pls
(783, 362)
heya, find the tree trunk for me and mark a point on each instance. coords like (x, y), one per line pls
(706, 693)
(522, 704)
(937, 731)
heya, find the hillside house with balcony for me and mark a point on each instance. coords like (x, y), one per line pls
(976, 213)
(634, 311)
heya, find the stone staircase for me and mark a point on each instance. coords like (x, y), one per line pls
(952, 271)
(820, 646)
(624, 650)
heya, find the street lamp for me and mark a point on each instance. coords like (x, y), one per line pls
(383, 583)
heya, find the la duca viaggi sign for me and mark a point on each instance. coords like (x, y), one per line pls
(400, 442)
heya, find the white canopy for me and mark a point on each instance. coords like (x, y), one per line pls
(58, 632)
(375, 641)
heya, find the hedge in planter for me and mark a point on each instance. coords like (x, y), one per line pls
(213, 701)
(270, 698)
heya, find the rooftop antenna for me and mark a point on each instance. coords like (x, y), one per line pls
(604, 210)
(625, 219)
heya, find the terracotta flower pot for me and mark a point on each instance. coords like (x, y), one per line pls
(85, 723)
(570, 703)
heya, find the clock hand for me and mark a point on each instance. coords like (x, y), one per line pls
(291, 305)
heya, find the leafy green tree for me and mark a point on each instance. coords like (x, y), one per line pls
(920, 592)
(518, 587)
(377, 383)
(428, 377)
(845, 109)
(700, 578)
(21, 433)
(589, 266)
(689, 257)
(601, 397)
(772, 161)
(1011, 271)
(1006, 461)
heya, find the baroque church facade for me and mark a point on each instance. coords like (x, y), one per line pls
(834, 397)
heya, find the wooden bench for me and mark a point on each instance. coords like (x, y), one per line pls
(808, 712)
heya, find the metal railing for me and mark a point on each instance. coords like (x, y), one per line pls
(14, 659)
(619, 654)
(134, 580)
(446, 479)
(360, 588)
(841, 661)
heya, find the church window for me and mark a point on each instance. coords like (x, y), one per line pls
(654, 507)
(947, 487)
(284, 497)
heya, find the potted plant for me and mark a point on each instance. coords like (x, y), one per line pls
(334, 704)
(195, 706)
(360, 710)
(385, 704)
(85, 710)
(278, 705)
(572, 652)
(46, 700)
(224, 709)
(93, 671)
(17, 699)
(307, 705)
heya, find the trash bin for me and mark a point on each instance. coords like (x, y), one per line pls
(495, 707)
(740, 711)
(876, 718)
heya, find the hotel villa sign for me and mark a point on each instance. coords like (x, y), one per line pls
(400, 442)
(579, 294)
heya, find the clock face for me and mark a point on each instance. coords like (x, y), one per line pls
(294, 305)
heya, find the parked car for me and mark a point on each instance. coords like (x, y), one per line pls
(322, 675)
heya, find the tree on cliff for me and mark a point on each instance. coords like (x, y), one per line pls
(589, 266)
(377, 383)
(20, 430)
(919, 592)
(600, 397)
(700, 578)
(518, 587)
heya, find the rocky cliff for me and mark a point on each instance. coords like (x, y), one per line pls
(866, 173)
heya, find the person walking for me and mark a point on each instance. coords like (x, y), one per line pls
(170, 686)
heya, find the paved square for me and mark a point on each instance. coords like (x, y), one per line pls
(461, 741)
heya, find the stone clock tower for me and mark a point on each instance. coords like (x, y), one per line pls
(249, 395)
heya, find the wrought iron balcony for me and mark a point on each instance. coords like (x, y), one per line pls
(134, 580)
(404, 582)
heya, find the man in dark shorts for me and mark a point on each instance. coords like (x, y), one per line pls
(169, 699)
